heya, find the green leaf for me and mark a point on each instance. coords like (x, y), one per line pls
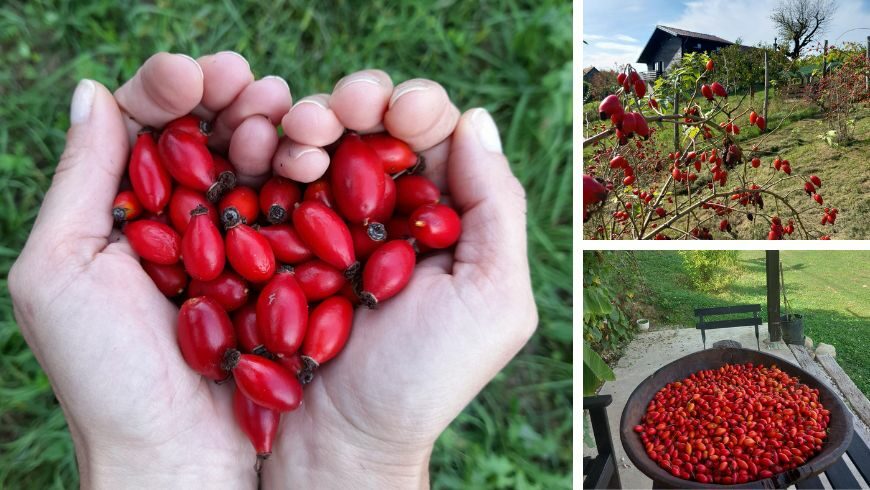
(596, 365)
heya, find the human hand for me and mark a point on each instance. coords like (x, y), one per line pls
(372, 415)
(98, 325)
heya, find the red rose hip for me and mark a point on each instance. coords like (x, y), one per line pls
(169, 279)
(395, 154)
(154, 241)
(318, 279)
(387, 272)
(326, 234)
(244, 200)
(184, 201)
(189, 162)
(149, 178)
(357, 178)
(202, 247)
(264, 382)
(413, 191)
(277, 199)
(435, 225)
(282, 314)
(205, 334)
(248, 252)
(260, 424)
(245, 325)
(126, 207)
(285, 242)
(328, 330)
(229, 289)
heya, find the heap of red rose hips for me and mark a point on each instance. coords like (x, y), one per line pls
(269, 277)
(733, 425)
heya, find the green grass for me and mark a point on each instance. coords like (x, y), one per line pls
(843, 170)
(830, 288)
(512, 57)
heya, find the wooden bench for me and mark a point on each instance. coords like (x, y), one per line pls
(704, 324)
(600, 471)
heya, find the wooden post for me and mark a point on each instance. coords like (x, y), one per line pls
(867, 76)
(766, 84)
(676, 111)
(825, 60)
(772, 263)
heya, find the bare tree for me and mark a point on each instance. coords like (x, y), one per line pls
(800, 21)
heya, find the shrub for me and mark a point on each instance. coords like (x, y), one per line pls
(711, 271)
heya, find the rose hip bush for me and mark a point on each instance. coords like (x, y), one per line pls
(733, 425)
(267, 279)
(634, 189)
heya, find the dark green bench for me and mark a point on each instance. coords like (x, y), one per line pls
(601, 471)
(704, 324)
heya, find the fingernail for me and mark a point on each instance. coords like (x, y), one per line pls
(201, 74)
(296, 152)
(310, 100)
(237, 54)
(486, 130)
(356, 78)
(82, 102)
(407, 88)
(276, 77)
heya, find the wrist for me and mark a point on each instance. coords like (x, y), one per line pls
(113, 465)
(310, 460)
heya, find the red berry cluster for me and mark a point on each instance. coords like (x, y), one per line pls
(733, 425)
(273, 274)
(777, 230)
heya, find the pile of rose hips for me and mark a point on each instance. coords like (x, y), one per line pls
(733, 425)
(268, 278)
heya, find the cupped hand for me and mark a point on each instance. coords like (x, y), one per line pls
(98, 326)
(371, 416)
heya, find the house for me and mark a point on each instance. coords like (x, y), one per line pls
(668, 44)
(589, 72)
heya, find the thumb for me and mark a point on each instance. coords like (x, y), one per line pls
(78, 203)
(488, 196)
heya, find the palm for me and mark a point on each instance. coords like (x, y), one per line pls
(136, 384)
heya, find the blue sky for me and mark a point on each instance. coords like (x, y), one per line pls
(617, 30)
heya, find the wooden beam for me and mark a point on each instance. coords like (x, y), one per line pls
(860, 404)
(805, 359)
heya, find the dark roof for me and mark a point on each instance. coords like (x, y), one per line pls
(661, 32)
(588, 69)
(696, 35)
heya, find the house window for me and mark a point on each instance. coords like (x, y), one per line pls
(698, 45)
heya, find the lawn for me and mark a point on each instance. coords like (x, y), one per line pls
(517, 432)
(843, 170)
(830, 288)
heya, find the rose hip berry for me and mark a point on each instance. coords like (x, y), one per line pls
(285, 242)
(202, 247)
(184, 201)
(394, 153)
(248, 252)
(189, 162)
(126, 207)
(318, 279)
(149, 178)
(205, 334)
(387, 272)
(278, 197)
(193, 126)
(260, 424)
(435, 225)
(169, 279)
(414, 191)
(326, 234)
(282, 314)
(357, 177)
(154, 241)
(264, 382)
(244, 200)
(319, 190)
(247, 333)
(229, 289)
(328, 331)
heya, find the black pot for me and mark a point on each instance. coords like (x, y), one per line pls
(792, 329)
(839, 429)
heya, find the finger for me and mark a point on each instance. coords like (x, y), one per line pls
(436, 164)
(312, 122)
(421, 114)
(360, 100)
(302, 163)
(252, 146)
(77, 206)
(225, 75)
(489, 198)
(268, 96)
(166, 87)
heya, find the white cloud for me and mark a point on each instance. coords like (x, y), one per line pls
(609, 46)
(593, 37)
(624, 38)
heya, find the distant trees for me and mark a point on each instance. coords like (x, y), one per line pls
(800, 21)
(600, 85)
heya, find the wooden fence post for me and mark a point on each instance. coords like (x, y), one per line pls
(867, 76)
(825, 60)
(676, 111)
(766, 84)
(773, 320)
